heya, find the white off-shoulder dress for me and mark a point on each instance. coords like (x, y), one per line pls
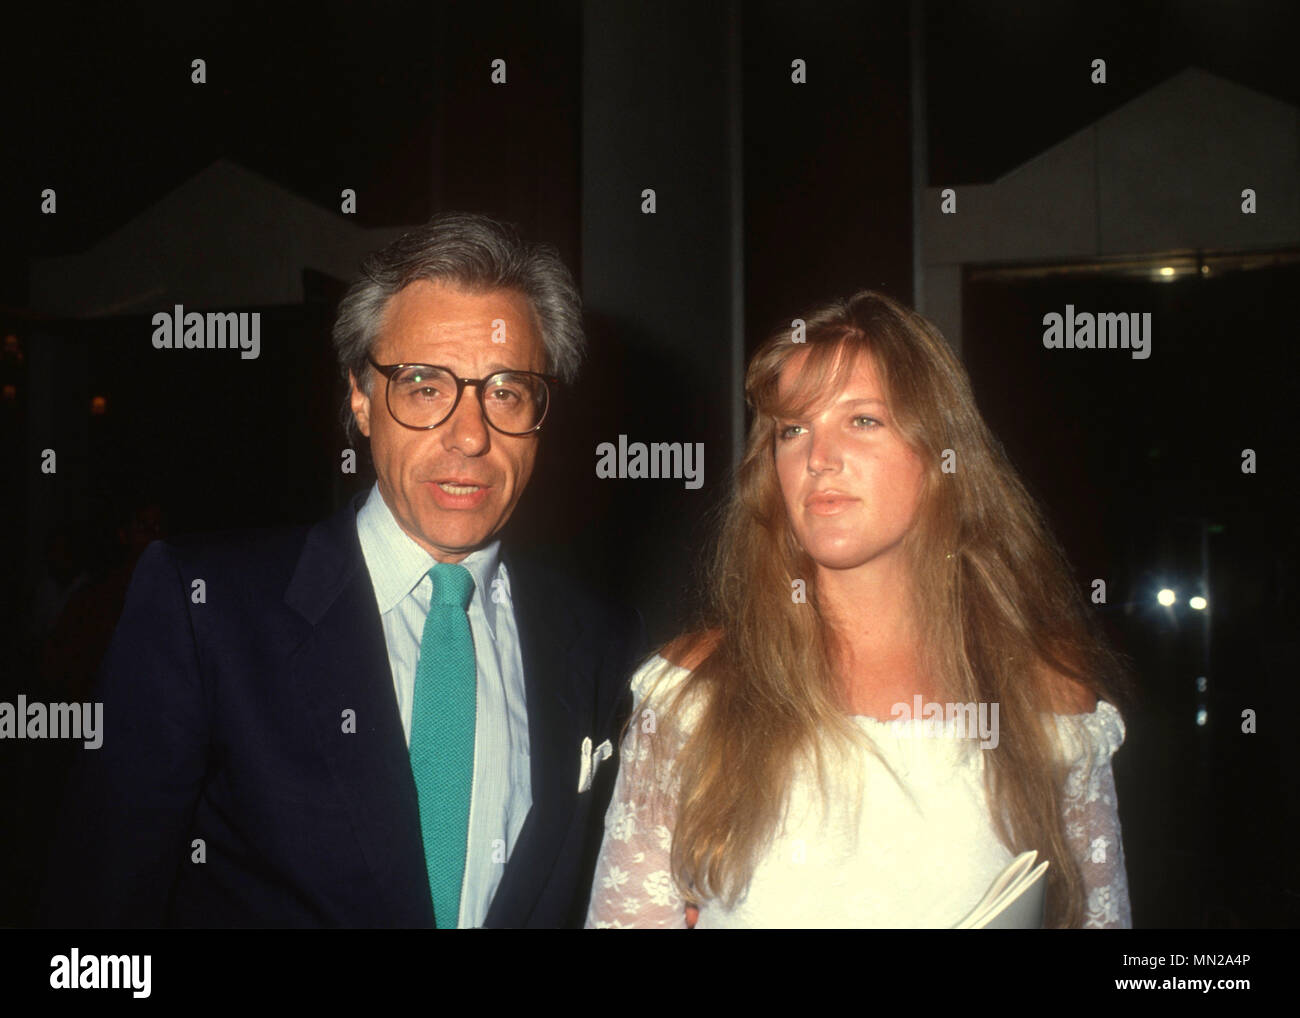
(919, 852)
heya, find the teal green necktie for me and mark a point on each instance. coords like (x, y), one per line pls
(442, 736)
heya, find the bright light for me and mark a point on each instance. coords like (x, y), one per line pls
(1197, 602)
(1167, 271)
(1202, 716)
(1166, 597)
(1200, 684)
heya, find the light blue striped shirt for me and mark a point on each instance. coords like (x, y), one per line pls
(502, 792)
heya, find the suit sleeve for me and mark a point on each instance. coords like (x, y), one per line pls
(122, 833)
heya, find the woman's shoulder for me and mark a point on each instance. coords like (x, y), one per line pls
(1092, 737)
(1069, 696)
(690, 650)
(1088, 729)
(666, 671)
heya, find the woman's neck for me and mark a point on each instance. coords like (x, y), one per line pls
(877, 649)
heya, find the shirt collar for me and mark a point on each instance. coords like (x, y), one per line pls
(397, 563)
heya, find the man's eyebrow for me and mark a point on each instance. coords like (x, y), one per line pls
(492, 369)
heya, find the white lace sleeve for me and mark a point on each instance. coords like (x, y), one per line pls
(633, 887)
(1091, 814)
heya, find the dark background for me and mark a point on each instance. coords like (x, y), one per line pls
(769, 196)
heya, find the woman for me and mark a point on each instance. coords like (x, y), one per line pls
(878, 552)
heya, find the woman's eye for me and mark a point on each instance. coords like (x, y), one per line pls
(871, 422)
(786, 432)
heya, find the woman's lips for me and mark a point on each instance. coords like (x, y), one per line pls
(829, 504)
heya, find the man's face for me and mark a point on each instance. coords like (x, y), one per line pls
(451, 488)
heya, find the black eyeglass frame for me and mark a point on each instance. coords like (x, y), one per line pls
(389, 370)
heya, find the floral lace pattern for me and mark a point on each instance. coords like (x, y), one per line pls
(832, 871)
(1092, 814)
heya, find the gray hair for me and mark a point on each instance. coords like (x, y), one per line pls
(477, 254)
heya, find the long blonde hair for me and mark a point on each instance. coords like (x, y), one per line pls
(999, 613)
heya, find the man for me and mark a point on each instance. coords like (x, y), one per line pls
(386, 719)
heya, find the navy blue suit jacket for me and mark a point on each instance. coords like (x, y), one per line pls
(224, 723)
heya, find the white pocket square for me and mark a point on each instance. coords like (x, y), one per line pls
(590, 760)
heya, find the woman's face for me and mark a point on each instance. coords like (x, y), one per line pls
(850, 482)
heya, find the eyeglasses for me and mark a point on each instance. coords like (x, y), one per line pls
(423, 396)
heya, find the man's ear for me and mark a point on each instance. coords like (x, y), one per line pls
(360, 405)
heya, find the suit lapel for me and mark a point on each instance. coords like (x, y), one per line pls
(547, 632)
(341, 666)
